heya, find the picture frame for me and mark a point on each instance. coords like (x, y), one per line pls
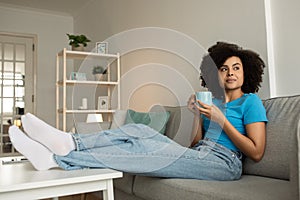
(102, 47)
(77, 76)
(102, 103)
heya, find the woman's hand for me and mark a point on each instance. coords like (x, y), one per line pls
(192, 105)
(212, 112)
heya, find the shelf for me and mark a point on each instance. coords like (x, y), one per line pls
(73, 82)
(82, 54)
(62, 82)
(86, 111)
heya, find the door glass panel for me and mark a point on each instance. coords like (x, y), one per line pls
(20, 102)
(8, 82)
(20, 68)
(8, 52)
(8, 66)
(8, 105)
(19, 82)
(20, 52)
(8, 91)
(18, 76)
(19, 91)
(8, 75)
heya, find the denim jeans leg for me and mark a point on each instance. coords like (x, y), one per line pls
(205, 162)
(126, 139)
(116, 136)
(152, 154)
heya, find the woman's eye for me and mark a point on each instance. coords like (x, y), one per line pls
(223, 69)
(236, 68)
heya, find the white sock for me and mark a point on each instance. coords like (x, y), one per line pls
(39, 156)
(59, 142)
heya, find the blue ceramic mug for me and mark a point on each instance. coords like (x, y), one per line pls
(204, 97)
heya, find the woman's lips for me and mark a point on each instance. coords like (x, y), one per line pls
(230, 80)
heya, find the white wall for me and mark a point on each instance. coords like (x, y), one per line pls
(241, 22)
(204, 21)
(286, 35)
(51, 34)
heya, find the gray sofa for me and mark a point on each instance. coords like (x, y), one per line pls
(276, 176)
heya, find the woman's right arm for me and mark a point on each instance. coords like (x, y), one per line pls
(197, 123)
(197, 130)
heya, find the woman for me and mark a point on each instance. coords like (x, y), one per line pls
(233, 126)
(239, 73)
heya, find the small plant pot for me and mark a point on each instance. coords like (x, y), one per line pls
(80, 48)
(100, 77)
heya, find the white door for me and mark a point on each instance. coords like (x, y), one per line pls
(16, 83)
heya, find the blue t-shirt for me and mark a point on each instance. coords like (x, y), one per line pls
(239, 112)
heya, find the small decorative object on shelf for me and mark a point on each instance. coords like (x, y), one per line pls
(84, 104)
(99, 72)
(78, 76)
(94, 118)
(102, 47)
(78, 42)
(102, 103)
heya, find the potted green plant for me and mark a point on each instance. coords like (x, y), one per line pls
(99, 72)
(78, 42)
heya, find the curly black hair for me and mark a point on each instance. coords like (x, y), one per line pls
(253, 67)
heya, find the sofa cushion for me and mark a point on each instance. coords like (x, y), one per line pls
(283, 114)
(94, 127)
(155, 120)
(179, 126)
(248, 187)
(119, 117)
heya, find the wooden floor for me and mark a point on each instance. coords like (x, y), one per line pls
(87, 196)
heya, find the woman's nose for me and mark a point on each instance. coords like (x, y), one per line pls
(229, 73)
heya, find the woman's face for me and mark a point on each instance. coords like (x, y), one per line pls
(231, 74)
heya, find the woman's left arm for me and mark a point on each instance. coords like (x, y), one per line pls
(252, 145)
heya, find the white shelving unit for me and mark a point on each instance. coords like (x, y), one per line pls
(62, 82)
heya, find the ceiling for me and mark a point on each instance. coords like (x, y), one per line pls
(63, 7)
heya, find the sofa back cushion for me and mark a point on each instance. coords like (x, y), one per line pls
(179, 126)
(94, 127)
(119, 118)
(155, 120)
(283, 114)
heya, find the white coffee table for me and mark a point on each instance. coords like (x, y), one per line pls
(22, 181)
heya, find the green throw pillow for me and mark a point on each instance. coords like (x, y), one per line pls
(155, 120)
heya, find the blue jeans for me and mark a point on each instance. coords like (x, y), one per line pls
(138, 149)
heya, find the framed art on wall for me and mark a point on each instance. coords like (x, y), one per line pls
(102, 47)
(102, 103)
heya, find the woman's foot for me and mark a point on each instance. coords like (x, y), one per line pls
(59, 142)
(39, 156)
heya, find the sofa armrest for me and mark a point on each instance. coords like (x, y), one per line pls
(294, 166)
